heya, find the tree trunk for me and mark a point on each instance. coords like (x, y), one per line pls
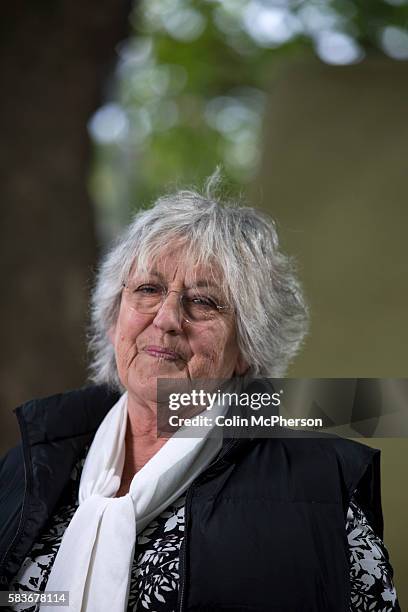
(54, 59)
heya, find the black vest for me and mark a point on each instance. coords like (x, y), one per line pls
(264, 523)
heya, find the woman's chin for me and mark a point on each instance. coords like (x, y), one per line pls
(166, 368)
(147, 378)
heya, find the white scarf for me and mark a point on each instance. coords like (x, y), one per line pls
(96, 553)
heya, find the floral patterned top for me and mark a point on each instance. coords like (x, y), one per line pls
(155, 569)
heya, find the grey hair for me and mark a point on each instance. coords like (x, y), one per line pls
(260, 281)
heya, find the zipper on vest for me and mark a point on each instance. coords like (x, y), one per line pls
(220, 457)
(184, 547)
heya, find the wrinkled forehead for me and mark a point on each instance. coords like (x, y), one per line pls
(182, 262)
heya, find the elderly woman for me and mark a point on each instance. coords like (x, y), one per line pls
(95, 505)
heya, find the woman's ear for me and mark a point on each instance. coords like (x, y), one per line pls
(241, 367)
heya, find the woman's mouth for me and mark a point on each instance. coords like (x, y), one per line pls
(161, 352)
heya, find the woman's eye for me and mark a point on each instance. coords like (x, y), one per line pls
(200, 300)
(148, 289)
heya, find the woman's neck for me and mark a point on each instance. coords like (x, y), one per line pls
(141, 441)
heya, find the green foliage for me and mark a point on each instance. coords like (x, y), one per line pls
(192, 82)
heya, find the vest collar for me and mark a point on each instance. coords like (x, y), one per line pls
(65, 415)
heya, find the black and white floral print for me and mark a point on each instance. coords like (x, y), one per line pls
(155, 570)
(370, 572)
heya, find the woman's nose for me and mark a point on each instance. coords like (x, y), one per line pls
(169, 317)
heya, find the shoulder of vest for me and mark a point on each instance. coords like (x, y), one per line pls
(353, 457)
(63, 415)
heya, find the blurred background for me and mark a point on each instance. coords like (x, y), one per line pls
(107, 104)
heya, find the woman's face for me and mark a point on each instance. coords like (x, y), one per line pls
(163, 344)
